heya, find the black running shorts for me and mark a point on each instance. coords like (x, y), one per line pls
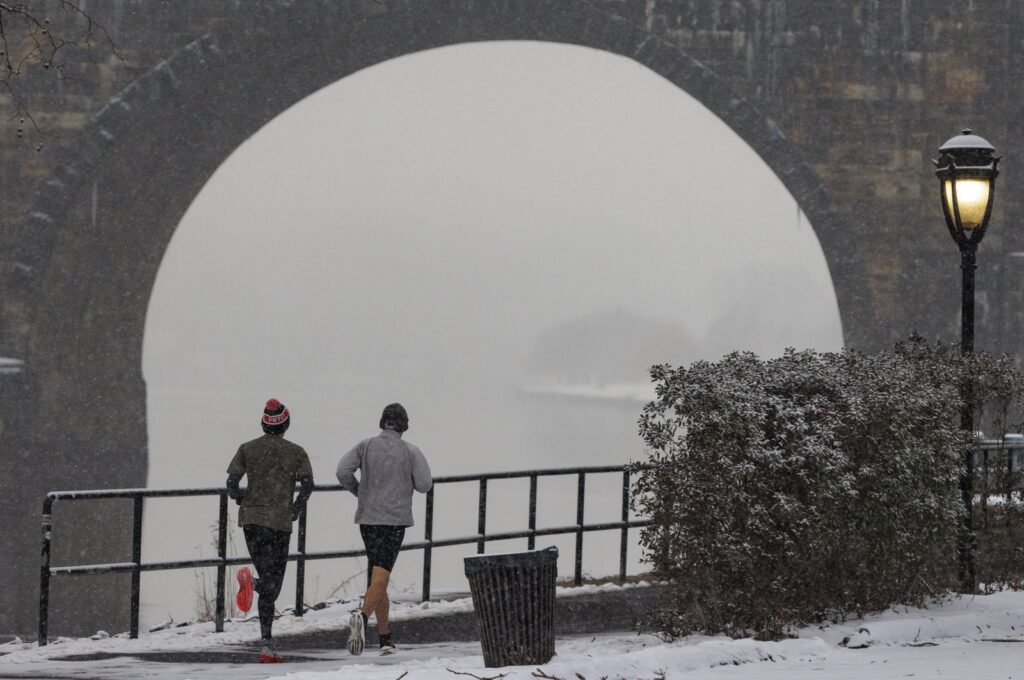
(382, 544)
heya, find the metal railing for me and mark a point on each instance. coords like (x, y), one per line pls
(987, 451)
(136, 566)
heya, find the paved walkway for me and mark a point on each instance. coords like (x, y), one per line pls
(616, 610)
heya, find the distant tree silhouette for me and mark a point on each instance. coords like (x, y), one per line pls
(609, 346)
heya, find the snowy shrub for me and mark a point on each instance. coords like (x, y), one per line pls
(809, 486)
(999, 506)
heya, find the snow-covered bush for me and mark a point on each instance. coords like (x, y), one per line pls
(809, 486)
(999, 505)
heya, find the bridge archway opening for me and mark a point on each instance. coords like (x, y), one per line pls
(503, 236)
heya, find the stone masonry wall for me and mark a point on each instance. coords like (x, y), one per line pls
(866, 89)
(846, 99)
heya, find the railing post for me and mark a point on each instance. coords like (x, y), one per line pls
(44, 571)
(625, 529)
(222, 549)
(481, 524)
(428, 536)
(300, 565)
(1009, 475)
(532, 539)
(580, 492)
(133, 631)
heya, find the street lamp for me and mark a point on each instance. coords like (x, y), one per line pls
(967, 172)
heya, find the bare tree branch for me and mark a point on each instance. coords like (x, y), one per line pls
(36, 36)
(541, 674)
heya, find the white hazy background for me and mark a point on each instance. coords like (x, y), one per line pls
(503, 237)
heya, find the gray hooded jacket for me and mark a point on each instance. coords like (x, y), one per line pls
(389, 470)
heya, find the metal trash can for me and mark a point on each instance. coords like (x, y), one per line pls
(514, 598)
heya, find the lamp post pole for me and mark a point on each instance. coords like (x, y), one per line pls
(967, 170)
(967, 265)
(968, 547)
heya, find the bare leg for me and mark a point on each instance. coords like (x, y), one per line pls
(376, 599)
(382, 612)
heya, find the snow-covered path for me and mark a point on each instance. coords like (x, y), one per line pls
(980, 638)
(594, 658)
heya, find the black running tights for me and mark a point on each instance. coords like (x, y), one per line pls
(268, 549)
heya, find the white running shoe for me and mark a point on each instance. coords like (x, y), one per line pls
(356, 634)
(387, 649)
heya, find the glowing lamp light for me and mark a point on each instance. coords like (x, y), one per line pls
(971, 200)
(967, 170)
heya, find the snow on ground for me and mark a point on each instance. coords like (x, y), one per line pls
(978, 637)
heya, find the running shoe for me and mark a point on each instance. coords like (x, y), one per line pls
(386, 645)
(356, 633)
(245, 587)
(268, 654)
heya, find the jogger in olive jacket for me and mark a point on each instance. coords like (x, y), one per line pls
(272, 465)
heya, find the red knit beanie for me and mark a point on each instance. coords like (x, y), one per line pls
(275, 417)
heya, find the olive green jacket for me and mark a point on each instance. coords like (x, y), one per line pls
(272, 466)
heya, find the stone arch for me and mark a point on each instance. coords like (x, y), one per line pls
(93, 261)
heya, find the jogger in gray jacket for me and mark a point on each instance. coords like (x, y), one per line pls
(390, 469)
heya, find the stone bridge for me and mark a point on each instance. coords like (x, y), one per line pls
(846, 100)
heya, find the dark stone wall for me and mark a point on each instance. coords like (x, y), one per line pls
(845, 100)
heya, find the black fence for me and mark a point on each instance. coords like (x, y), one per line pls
(135, 567)
(994, 453)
